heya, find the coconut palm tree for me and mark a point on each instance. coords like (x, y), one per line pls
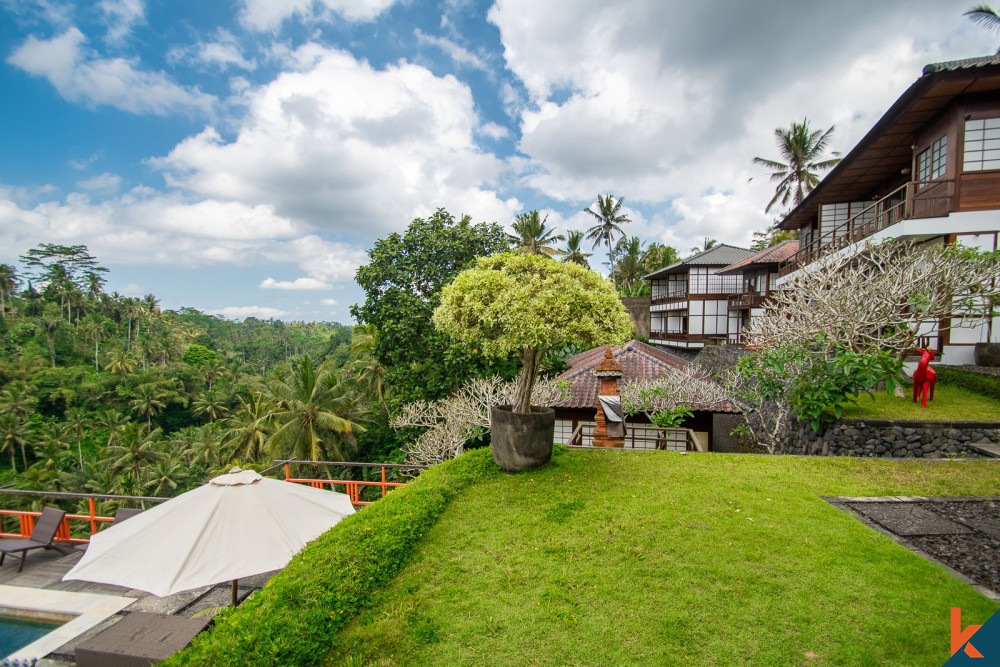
(50, 323)
(148, 400)
(78, 422)
(658, 256)
(629, 266)
(366, 370)
(121, 362)
(803, 153)
(245, 434)
(210, 405)
(609, 220)
(164, 477)
(985, 16)
(112, 420)
(574, 251)
(533, 238)
(137, 447)
(706, 244)
(8, 284)
(315, 416)
(13, 434)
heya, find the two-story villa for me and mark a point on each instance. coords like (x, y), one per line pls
(929, 170)
(760, 278)
(690, 300)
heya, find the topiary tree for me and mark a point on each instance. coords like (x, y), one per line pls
(524, 305)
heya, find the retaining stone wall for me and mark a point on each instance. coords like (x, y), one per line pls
(891, 439)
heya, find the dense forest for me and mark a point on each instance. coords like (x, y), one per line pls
(103, 393)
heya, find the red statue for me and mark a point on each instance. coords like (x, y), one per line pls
(924, 378)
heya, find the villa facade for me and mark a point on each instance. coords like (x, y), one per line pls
(689, 307)
(760, 278)
(928, 171)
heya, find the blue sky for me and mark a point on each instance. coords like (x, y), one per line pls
(239, 157)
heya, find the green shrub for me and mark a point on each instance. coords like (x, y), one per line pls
(295, 618)
(978, 383)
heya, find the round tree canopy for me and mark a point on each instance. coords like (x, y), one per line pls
(514, 302)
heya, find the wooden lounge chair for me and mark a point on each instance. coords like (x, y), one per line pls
(139, 640)
(41, 537)
(121, 514)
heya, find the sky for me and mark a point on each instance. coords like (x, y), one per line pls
(241, 156)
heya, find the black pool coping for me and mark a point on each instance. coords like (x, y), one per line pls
(844, 503)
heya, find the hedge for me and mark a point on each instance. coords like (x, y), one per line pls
(295, 618)
(979, 383)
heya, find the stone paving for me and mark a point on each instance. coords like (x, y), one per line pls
(45, 569)
(962, 534)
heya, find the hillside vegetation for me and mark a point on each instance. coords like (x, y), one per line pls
(616, 558)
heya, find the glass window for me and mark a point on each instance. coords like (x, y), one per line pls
(931, 162)
(982, 145)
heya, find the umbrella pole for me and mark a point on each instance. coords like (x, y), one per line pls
(235, 590)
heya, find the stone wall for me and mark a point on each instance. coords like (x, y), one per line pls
(891, 439)
(638, 312)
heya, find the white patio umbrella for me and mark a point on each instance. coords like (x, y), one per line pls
(237, 525)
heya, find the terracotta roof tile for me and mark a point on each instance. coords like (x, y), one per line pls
(638, 360)
(776, 254)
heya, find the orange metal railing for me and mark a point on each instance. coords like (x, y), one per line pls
(351, 487)
(26, 518)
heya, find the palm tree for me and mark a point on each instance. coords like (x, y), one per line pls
(532, 237)
(121, 362)
(78, 422)
(803, 153)
(245, 434)
(52, 448)
(313, 415)
(366, 370)
(14, 433)
(16, 400)
(985, 16)
(210, 405)
(629, 270)
(609, 218)
(50, 323)
(214, 369)
(165, 476)
(658, 256)
(149, 400)
(93, 329)
(112, 420)
(8, 284)
(136, 448)
(574, 252)
(706, 244)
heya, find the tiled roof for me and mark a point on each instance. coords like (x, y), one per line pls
(776, 254)
(638, 360)
(720, 255)
(953, 65)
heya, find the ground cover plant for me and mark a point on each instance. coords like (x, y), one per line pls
(951, 403)
(666, 558)
(980, 383)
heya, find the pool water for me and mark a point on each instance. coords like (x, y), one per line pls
(16, 633)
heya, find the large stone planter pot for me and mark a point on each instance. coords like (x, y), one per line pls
(988, 354)
(521, 442)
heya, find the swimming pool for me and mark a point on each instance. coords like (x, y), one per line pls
(16, 633)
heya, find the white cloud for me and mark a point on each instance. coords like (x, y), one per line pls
(243, 312)
(400, 145)
(493, 131)
(460, 55)
(143, 227)
(121, 16)
(104, 183)
(668, 103)
(134, 289)
(269, 14)
(80, 76)
(222, 53)
(329, 302)
(299, 284)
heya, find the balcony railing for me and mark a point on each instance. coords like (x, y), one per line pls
(895, 207)
(643, 436)
(684, 337)
(673, 294)
(746, 300)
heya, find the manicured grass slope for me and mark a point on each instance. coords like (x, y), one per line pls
(951, 403)
(663, 558)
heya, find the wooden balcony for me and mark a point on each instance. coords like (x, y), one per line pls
(746, 300)
(916, 199)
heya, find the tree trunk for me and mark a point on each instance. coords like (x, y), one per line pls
(530, 360)
(52, 349)
(611, 262)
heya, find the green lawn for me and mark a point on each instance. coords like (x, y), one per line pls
(950, 403)
(664, 558)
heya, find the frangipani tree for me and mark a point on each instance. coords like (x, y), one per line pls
(881, 298)
(524, 305)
